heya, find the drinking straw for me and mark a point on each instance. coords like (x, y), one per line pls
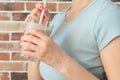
(42, 13)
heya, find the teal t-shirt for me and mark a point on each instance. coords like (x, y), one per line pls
(84, 37)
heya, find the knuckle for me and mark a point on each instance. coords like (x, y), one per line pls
(42, 56)
(45, 49)
(30, 37)
(46, 44)
(32, 54)
(27, 45)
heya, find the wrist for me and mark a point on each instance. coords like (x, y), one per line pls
(33, 63)
(63, 65)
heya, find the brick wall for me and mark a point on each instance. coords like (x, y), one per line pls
(12, 15)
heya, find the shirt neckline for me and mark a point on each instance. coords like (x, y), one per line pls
(84, 10)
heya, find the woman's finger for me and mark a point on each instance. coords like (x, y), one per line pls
(36, 12)
(39, 6)
(47, 16)
(28, 46)
(31, 39)
(46, 13)
(27, 52)
(36, 54)
(37, 33)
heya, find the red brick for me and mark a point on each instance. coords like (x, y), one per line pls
(8, 46)
(4, 76)
(11, 6)
(4, 36)
(12, 66)
(30, 6)
(52, 6)
(16, 36)
(14, 26)
(18, 76)
(4, 56)
(4, 6)
(5, 16)
(19, 16)
(16, 56)
(63, 6)
(16, 6)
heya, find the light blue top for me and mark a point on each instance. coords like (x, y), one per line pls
(84, 37)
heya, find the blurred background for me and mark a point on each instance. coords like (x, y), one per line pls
(12, 16)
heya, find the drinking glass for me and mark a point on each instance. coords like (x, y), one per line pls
(32, 25)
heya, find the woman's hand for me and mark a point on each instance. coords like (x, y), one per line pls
(41, 46)
(36, 13)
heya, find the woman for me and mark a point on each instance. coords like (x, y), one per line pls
(85, 43)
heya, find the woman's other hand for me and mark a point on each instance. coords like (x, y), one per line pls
(36, 13)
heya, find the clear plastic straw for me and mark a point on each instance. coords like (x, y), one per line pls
(42, 13)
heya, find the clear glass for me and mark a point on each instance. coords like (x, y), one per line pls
(32, 25)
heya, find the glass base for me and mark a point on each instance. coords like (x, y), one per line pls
(28, 57)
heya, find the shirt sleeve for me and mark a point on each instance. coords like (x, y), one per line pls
(107, 26)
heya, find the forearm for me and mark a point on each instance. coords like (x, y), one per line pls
(73, 71)
(33, 71)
